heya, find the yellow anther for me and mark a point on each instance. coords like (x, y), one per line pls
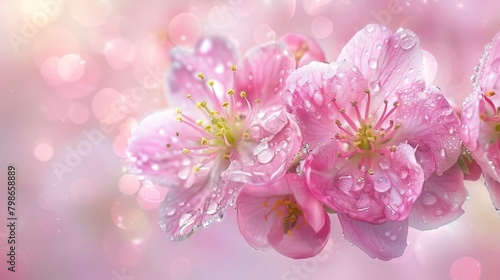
(289, 232)
(199, 122)
(230, 92)
(179, 118)
(337, 122)
(367, 91)
(371, 171)
(208, 128)
(225, 104)
(189, 95)
(234, 68)
(203, 141)
(178, 110)
(257, 100)
(392, 149)
(210, 83)
(397, 125)
(198, 104)
(186, 151)
(266, 203)
(196, 168)
(226, 156)
(243, 94)
(246, 135)
(490, 93)
(201, 76)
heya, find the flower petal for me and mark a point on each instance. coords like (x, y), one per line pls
(309, 93)
(212, 56)
(388, 61)
(148, 153)
(313, 210)
(431, 125)
(303, 242)
(187, 207)
(263, 72)
(387, 195)
(488, 75)
(494, 190)
(252, 221)
(383, 241)
(265, 159)
(441, 200)
(304, 48)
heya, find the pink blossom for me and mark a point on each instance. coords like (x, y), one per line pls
(481, 118)
(226, 127)
(285, 216)
(378, 139)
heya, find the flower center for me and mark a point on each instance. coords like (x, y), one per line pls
(491, 114)
(287, 209)
(222, 129)
(365, 135)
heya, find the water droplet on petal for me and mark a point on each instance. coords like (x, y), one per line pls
(345, 182)
(381, 184)
(212, 208)
(384, 163)
(169, 211)
(185, 221)
(429, 199)
(438, 212)
(375, 86)
(403, 173)
(408, 42)
(373, 63)
(265, 156)
(370, 28)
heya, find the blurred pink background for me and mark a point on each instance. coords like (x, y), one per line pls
(77, 75)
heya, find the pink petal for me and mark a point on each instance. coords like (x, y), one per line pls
(313, 210)
(212, 56)
(388, 61)
(188, 207)
(263, 72)
(301, 243)
(441, 200)
(431, 125)
(265, 159)
(251, 215)
(480, 136)
(488, 74)
(147, 149)
(389, 194)
(494, 190)
(309, 91)
(304, 48)
(383, 241)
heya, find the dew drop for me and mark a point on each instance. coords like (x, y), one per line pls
(155, 167)
(429, 199)
(442, 152)
(186, 219)
(169, 211)
(381, 184)
(375, 86)
(408, 42)
(345, 182)
(212, 208)
(373, 63)
(384, 163)
(403, 173)
(438, 212)
(370, 28)
(265, 156)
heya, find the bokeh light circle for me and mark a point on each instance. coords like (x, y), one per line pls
(321, 27)
(465, 268)
(43, 149)
(126, 214)
(263, 33)
(128, 184)
(90, 13)
(184, 29)
(70, 67)
(78, 112)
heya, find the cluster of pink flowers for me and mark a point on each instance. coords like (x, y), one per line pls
(289, 140)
